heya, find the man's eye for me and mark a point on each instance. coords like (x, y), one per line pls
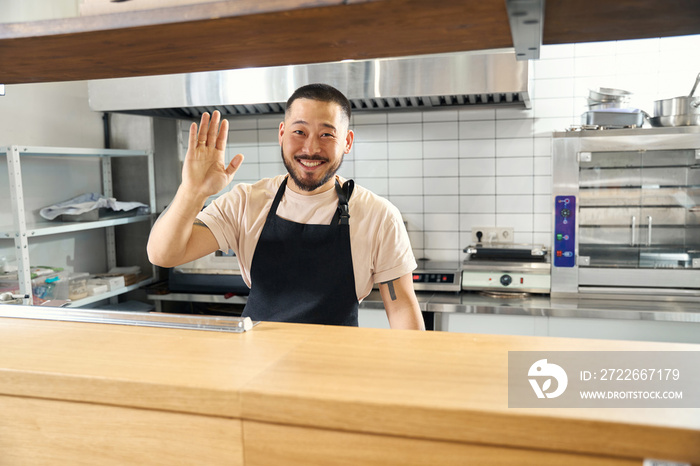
(327, 135)
(298, 131)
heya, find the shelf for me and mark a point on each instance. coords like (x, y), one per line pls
(52, 228)
(22, 230)
(75, 152)
(109, 294)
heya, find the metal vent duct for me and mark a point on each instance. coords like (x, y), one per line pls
(469, 79)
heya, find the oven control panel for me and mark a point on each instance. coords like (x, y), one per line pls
(433, 278)
(436, 280)
(564, 231)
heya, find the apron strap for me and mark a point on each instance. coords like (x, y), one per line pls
(344, 193)
(278, 197)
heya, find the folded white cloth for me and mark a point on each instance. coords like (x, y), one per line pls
(85, 203)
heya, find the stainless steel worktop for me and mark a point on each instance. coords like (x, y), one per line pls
(534, 305)
(543, 305)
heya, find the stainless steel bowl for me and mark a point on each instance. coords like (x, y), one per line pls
(607, 94)
(595, 105)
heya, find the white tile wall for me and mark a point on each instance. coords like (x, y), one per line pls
(450, 170)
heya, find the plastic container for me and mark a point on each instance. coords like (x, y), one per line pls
(77, 286)
(54, 286)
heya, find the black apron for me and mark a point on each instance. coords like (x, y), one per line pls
(303, 273)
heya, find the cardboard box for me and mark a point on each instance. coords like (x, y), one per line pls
(113, 281)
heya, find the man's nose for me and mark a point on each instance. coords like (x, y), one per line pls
(312, 146)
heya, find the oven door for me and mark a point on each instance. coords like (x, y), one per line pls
(216, 273)
(638, 219)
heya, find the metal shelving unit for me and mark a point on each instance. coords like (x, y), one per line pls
(22, 230)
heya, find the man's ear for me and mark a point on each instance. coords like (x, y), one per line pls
(280, 133)
(349, 139)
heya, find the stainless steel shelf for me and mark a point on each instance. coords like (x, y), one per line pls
(75, 152)
(109, 294)
(22, 230)
(545, 306)
(53, 228)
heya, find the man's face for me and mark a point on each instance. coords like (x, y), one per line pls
(314, 137)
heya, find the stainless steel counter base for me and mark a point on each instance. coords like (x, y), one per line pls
(544, 305)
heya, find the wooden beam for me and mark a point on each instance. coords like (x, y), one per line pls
(230, 34)
(242, 33)
(601, 20)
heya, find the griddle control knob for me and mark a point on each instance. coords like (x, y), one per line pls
(506, 280)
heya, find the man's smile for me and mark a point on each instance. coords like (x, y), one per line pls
(310, 163)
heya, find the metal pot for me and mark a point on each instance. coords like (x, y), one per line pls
(679, 111)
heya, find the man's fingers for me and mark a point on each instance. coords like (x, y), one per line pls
(235, 163)
(192, 142)
(213, 128)
(223, 135)
(203, 127)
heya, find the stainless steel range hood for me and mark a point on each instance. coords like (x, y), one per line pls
(469, 79)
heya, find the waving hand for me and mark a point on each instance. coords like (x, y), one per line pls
(204, 172)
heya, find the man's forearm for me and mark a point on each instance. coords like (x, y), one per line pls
(167, 243)
(407, 318)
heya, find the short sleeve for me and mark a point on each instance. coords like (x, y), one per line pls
(222, 217)
(394, 255)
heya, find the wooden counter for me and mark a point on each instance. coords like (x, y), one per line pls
(77, 393)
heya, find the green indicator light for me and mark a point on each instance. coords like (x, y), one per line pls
(560, 237)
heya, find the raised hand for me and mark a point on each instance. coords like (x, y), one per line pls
(204, 172)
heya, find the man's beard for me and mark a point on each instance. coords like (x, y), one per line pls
(309, 185)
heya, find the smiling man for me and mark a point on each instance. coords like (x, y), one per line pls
(310, 244)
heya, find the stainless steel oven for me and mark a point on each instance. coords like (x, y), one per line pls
(626, 219)
(215, 273)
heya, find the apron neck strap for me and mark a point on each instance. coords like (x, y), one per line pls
(344, 192)
(278, 196)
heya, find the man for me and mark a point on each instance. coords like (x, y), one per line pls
(310, 245)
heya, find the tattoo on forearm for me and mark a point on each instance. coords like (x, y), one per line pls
(392, 291)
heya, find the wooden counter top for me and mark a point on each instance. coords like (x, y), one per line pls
(178, 370)
(453, 387)
(371, 394)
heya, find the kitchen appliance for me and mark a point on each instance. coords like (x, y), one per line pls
(451, 80)
(626, 214)
(506, 268)
(216, 273)
(437, 276)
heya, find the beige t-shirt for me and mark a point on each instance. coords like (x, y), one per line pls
(381, 250)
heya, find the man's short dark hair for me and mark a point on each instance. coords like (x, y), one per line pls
(323, 93)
